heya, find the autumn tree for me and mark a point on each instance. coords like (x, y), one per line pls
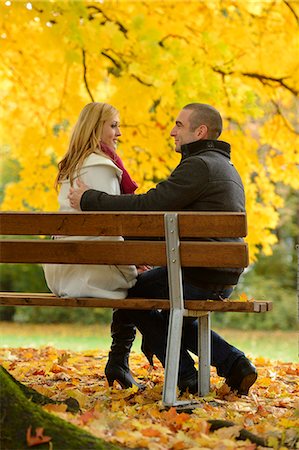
(149, 59)
(25, 424)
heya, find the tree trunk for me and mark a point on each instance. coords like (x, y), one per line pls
(18, 413)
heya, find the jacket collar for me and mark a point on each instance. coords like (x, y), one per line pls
(204, 145)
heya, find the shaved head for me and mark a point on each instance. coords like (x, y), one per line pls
(203, 114)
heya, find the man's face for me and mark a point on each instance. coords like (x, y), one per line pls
(181, 131)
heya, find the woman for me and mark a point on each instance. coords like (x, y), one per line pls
(92, 157)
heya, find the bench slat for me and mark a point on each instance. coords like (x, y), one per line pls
(37, 299)
(193, 254)
(128, 224)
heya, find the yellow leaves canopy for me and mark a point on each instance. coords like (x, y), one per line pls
(149, 59)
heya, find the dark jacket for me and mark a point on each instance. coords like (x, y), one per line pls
(205, 180)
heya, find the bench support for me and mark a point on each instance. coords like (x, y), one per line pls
(176, 310)
(204, 354)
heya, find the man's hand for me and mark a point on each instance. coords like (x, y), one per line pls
(76, 194)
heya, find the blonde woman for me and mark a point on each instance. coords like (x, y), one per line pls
(92, 157)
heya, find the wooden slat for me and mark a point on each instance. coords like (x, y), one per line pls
(213, 224)
(193, 254)
(128, 224)
(214, 254)
(82, 224)
(41, 299)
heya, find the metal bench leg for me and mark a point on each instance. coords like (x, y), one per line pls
(176, 310)
(172, 357)
(204, 354)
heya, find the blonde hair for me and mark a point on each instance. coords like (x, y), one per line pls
(85, 139)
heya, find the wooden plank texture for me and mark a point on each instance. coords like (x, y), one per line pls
(193, 254)
(41, 299)
(128, 224)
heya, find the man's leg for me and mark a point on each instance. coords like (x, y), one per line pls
(151, 324)
(229, 361)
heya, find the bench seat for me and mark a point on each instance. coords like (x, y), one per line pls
(45, 299)
(172, 239)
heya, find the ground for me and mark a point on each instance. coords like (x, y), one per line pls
(138, 419)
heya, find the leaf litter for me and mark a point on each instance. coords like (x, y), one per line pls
(136, 418)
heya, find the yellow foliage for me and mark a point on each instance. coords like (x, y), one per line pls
(149, 59)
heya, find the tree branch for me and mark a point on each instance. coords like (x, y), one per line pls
(262, 78)
(116, 63)
(84, 75)
(174, 36)
(140, 80)
(286, 122)
(292, 10)
(99, 10)
(119, 67)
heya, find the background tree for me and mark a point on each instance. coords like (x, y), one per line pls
(149, 59)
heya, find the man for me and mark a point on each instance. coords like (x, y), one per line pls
(204, 180)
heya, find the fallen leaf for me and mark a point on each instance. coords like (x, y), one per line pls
(55, 408)
(39, 437)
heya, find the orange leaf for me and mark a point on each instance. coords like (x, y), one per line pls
(39, 437)
(243, 297)
(56, 368)
(87, 416)
(151, 432)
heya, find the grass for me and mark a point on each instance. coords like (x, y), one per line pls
(275, 345)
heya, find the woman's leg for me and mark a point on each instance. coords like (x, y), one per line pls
(123, 331)
(117, 368)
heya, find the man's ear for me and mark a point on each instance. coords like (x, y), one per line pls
(202, 132)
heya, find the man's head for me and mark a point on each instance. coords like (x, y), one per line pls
(195, 122)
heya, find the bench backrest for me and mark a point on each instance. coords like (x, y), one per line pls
(192, 227)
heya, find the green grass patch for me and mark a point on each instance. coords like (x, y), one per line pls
(277, 345)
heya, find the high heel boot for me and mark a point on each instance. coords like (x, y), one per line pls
(147, 351)
(117, 367)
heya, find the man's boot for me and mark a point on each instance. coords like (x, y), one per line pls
(230, 362)
(117, 367)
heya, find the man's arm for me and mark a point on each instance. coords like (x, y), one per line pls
(98, 176)
(184, 185)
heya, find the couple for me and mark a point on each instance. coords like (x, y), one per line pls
(205, 180)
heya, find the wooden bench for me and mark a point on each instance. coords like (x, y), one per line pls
(177, 245)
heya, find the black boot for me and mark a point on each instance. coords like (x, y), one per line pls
(147, 351)
(189, 383)
(242, 376)
(117, 367)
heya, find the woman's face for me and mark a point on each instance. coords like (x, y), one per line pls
(111, 132)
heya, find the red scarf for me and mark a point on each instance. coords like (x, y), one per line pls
(127, 185)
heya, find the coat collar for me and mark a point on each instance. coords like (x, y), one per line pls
(204, 145)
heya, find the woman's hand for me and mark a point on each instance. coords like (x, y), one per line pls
(143, 268)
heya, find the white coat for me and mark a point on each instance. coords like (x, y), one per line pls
(103, 281)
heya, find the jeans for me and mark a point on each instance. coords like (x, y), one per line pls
(153, 325)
